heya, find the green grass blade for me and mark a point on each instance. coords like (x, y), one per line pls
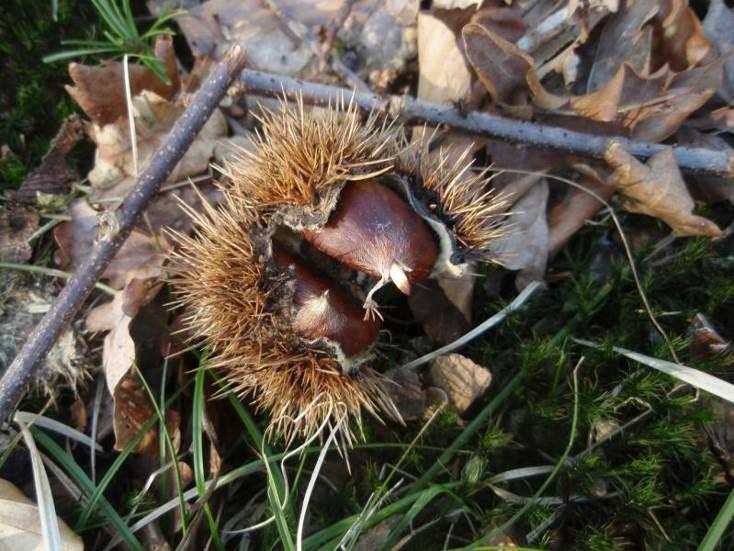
(87, 486)
(276, 485)
(469, 431)
(106, 10)
(424, 498)
(160, 416)
(120, 459)
(80, 52)
(161, 21)
(711, 540)
(50, 272)
(128, 17)
(559, 465)
(338, 529)
(50, 534)
(198, 451)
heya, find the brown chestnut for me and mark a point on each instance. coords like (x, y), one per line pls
(373, 230)
(324, 309)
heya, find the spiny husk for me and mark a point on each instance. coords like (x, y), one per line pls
(227, 285)
(304, 160)
(225, 281)
(474, 212)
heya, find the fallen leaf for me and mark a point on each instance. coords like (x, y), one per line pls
(507, 72)
(126, 344)
(526, 243)
(270, 45)
(657, 189)
(568, 216)
(463, 380)
(460, 292)
(17, 225)
(20, 523)
(681, 43)
(718, 25)
(651, 107)
(77, 237)
(53, 176)
(443, 73)
(100, 90)
(78, 415)
(550, 30)
(708, 188)
(623, 40)
(132, 410)
(406, 392)
(506, 22)
(653, 118)
(440, 318)
(720, 120)
(114, 166)
(119, 350)
(706, 342)
(500, 65)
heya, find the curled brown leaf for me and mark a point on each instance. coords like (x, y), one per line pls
(656, 188)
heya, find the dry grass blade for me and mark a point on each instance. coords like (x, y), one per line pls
(479, 329)
(46, 508)
(694, 377)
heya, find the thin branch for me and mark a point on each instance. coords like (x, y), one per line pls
(412, 111)
(332, 30)
(13, 382)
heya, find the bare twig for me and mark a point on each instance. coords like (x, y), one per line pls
(336, 24)
(412, 111)
(13, 382)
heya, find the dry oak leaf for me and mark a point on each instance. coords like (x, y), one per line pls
(154, 117)
(569, 215)
(118, 354)
(651, 107)
(657, 189)
(131, 407)
(625, 38)
(706, 342)
(525, 245)
(441, 318)
(681, 41)
(53, 176)
(506, 71)
(20, 523)
(463, 380)
(100, 90)
(406, 392)
(443, 73)
(132, 410)
(77, 237)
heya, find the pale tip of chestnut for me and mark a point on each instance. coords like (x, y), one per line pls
(400, 278)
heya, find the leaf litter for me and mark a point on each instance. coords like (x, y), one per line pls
(651, 71)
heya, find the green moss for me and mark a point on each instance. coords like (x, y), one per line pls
(33, 101)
